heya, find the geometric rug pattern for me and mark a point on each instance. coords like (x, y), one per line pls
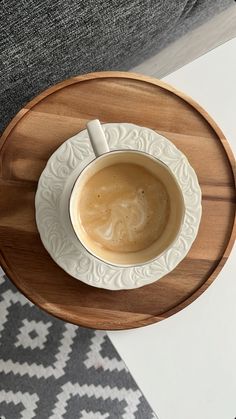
(50, 369)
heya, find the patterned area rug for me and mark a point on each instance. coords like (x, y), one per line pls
(54, 370)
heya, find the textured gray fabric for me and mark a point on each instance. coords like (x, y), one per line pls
(53, 370)
(45, 41)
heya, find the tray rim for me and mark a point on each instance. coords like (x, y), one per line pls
(148, 319)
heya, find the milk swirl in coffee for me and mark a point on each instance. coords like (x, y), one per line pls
(124, 208)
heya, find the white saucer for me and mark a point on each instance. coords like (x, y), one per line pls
(52, 214)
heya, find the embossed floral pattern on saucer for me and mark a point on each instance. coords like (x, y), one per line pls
(52, 215)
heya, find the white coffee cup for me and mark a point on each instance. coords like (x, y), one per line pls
(105, 158)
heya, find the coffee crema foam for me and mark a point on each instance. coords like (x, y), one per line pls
(124, 208)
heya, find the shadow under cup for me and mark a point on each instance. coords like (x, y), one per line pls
(176, 208)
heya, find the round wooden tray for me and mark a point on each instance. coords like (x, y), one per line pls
(59, 113)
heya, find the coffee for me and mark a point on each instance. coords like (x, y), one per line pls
(124, 208)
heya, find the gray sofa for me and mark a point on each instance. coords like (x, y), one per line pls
(45, 41)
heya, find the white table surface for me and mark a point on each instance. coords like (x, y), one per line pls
(186, 365)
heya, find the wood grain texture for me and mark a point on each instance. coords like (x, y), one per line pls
(61, 112)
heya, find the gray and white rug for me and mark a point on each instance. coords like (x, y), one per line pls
(54, 370)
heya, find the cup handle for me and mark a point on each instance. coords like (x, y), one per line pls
(97, 137)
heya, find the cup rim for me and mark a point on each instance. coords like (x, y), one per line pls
(73, 191)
